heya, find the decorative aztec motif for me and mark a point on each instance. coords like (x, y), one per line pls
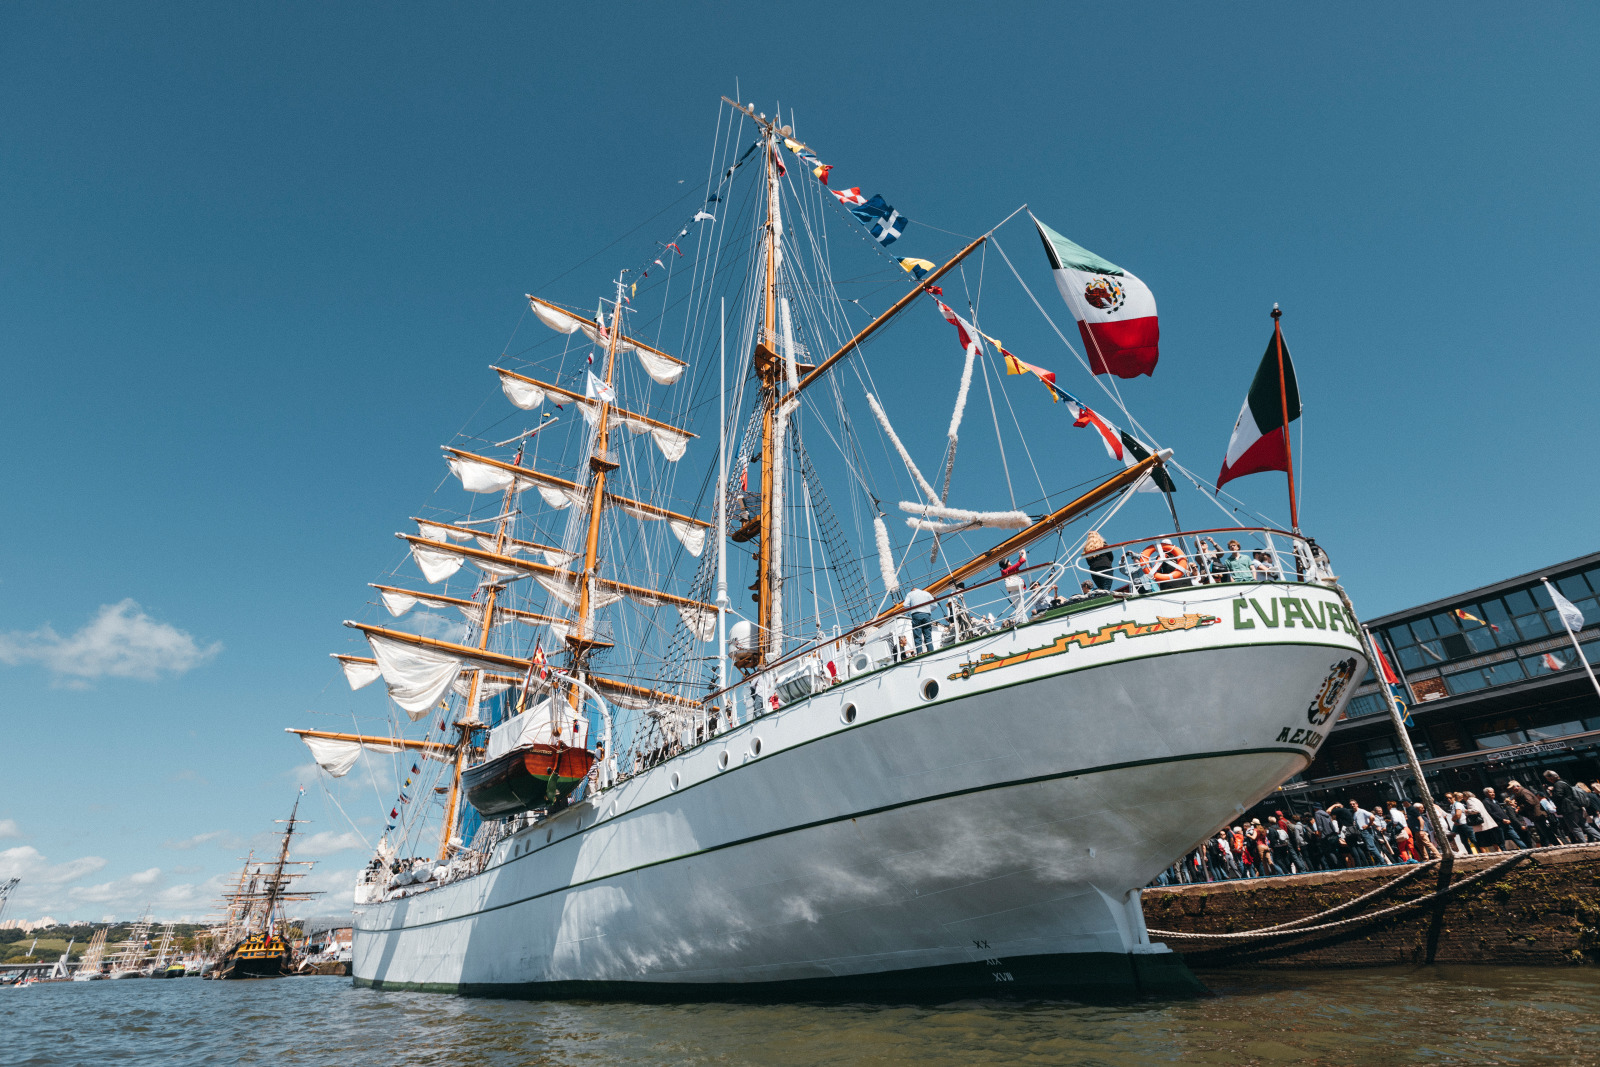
(1085, 639)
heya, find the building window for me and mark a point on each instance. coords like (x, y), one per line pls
(1465, 682)
(1382, 752)
(1498, 733)
(1371, 704)
(1502, 673)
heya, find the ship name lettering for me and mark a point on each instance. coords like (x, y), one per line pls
(980, 944)
(1272, 621)
(1003, 976)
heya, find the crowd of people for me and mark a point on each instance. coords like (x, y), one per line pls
(1345, 835)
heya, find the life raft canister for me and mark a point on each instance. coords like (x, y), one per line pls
(1159, 564)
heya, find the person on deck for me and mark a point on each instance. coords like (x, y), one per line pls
(955, 610)
(919, 603)
(1099, 559)
(1016, 585)
(1237, 564)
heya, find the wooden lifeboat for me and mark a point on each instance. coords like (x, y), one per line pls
(527, 777)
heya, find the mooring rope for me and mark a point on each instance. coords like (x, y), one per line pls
(1291, 929)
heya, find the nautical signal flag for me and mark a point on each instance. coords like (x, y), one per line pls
(1260, 440)
(917, 268)
(1116, 312)
(1083, 415)
(1017, 366)
(849, 197)
(394, 813)
(884, 223)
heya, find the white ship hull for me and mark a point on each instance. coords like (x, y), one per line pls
(994, 836)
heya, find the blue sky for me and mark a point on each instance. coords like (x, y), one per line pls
(255, 261)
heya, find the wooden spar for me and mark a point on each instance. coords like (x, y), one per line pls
(562, 483)
(389, 742)
(872, 327)
(478, 533)
(641, 692)
(500, 659)
(579, 398)
(626, 589)
(514, 613)
(1023, 538)
(589, 322)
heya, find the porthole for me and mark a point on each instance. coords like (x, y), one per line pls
(676, 781)
(930, 689)
(755, 746)
(723, 759)
(848, 715)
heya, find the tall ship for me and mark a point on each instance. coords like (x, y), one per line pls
(254, 936)
(679, 724)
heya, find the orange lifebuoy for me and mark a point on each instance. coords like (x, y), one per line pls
(1153, 559)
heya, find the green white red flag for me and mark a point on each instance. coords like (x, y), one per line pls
(1116, 312)
(1260, 440)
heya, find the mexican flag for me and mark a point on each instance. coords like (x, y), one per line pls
(1116, 312)
(1260, 439)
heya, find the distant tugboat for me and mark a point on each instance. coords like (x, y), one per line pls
(256, 911)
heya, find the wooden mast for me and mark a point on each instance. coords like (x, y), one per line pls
(768, 371)
(465, 726)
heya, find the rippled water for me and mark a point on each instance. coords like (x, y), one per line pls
(1440, 1015)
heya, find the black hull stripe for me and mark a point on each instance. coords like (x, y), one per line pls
(1037, 779)
(1111, 977)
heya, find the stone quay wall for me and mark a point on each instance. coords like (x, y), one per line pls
(1545, 911)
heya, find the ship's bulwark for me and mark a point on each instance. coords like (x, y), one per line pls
(990, 840)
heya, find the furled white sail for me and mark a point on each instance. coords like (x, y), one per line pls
(559, 498)
(337, 757)
(557, 320)
(524, 394)
(357, 673)
(567, 592)
(479, 477)
(435, 564)
(691, 535)
(662, 371)
(417, 677)
(486, 687)
(397, 603)
(1003, 520)
(671, 442)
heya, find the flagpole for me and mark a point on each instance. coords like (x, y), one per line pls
(1283, 401)
(1578, 649)
(1441, 833)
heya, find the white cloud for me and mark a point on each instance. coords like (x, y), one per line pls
(221, 838)
(27, 863)
(145, 877)
(8, 828)
(121, 641)
(325, 842)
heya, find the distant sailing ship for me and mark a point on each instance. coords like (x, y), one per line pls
(846, 815)
(255, 930)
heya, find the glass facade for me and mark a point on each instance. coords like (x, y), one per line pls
(1483, 625)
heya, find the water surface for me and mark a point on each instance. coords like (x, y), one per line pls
(1437, 1015)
